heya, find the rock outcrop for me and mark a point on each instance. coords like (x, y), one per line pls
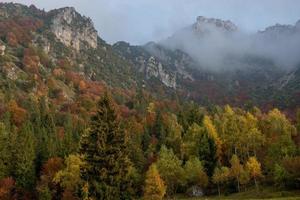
(72, 29)
(2, 50)
(202, 23)
(155, 68)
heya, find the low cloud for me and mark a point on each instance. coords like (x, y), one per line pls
(215, 49)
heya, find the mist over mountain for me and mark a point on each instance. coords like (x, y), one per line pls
(210, 107)
(217, 44)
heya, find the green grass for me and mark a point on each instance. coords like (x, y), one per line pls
(266, 193)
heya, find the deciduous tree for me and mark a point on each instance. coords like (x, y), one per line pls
(155, 188)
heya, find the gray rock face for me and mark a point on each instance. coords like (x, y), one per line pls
(203, 22)
(2, 50)
(155, 69)
(74, 30)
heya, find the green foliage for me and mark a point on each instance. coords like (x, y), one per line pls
(221, 175)
(195, 173)
(70, 178)
(104, 151)
(24, 158)
(280, 175)
(169, 167)
(5, 158)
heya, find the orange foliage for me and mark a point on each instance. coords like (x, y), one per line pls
(124, 111)
(31, 61)
(64, 64)
(12, 39)
(18, 113)
(82, 85)
(6, 187)
(73, 77)
(58, 72)
(18, 30)
(68, 195)
(51, 167)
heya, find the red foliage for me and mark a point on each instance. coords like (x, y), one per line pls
(19, 30)
(6, 188)
(51, 167)
(292, 165)
(64, 64)
(18, 114)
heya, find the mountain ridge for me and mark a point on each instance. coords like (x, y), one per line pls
(152, 67)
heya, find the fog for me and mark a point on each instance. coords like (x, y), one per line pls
(141, 21)
(215, 48)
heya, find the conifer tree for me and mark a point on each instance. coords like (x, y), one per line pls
(5, 157)
(104, 151)
(25, 157)
(155, 188)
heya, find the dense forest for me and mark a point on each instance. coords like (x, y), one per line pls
(83, 124)
(157, 149)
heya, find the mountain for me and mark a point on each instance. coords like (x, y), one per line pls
(59, 54)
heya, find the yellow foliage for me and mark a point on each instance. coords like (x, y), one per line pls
(254, 167)
(155, 188)
(212, 132)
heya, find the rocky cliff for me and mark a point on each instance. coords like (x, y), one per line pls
(72, 29)
(203, 23)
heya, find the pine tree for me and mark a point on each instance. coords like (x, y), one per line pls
(208, 153)
(104, 151)
(5, 155)
(25, 157)
(155, 188)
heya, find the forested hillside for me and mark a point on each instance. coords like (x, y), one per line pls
(81, 119)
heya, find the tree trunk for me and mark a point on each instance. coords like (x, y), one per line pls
(256, 184)
(219, 190)
(238, 182)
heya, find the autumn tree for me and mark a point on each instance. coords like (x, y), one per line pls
(155, 188)
(173, 134)
(46, 188)
(244, 177)
(191, 139)
(220, 176)
(236, 169)
(7, 186)
(279, 131)
(70, 178)
(169, 167)
(198, 143)
(195, 173)
(254, 169)
(212, 133)
(230, 131)
(104, 151)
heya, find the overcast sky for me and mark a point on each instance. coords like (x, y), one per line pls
(140, 21)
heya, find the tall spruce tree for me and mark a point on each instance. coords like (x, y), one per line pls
(104, 151)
